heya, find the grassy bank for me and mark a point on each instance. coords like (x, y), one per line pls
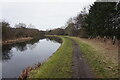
(58, 65)
(101, 64)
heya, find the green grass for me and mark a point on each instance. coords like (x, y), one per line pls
(97, 61)
(59, 65)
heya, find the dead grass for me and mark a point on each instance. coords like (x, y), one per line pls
(103, 57)
(16, 40)
(107, 49)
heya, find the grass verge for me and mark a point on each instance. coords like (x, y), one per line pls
(102, 67)
(58, 65)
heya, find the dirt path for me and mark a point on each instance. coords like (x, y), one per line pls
(81, 69)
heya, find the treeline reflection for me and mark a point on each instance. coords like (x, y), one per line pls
(7, 49)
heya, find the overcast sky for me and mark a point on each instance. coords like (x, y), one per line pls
(43, 14)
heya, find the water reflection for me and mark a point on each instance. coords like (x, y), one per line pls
(54, 39)
(7, 52)
(17, 57)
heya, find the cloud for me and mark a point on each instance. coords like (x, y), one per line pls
(47, 0)
(44, 15)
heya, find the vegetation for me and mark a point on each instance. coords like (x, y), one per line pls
(101, 64)
(58, 65)
(57, 31)
(19, 32)
(102, 21)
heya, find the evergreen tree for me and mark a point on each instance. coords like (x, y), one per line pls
(99, 20)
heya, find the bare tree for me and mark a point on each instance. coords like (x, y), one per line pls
(20, 25)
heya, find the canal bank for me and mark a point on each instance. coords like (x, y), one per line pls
(18, 40)
(60, 64)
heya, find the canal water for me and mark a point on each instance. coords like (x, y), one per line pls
(16, 57)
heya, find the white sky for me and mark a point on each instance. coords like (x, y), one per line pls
(43, 14)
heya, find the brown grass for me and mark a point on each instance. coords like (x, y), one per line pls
(109, 50)
(16, 40)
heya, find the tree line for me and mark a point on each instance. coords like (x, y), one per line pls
(19, 31)
(102, 20)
